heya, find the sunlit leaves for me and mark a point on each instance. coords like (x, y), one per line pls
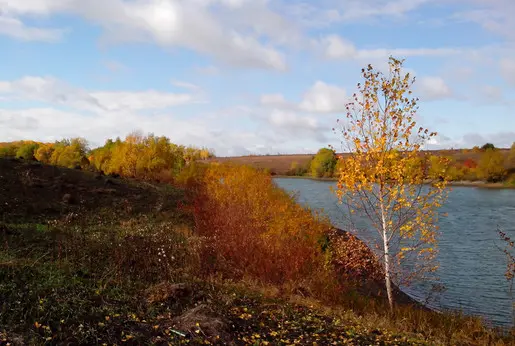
(145, 157)
(385, 177)
(491, 166)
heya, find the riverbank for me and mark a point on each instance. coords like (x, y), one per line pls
(90, 259)
(373, 285)
(465, 183)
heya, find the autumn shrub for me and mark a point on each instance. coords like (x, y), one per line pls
(297, 170)
(145, 157)
(469, 163)
(27, 151)
(491, 166)
(256, 230)
(353, 259)
(323, 164)
(191, 175)
(511, 179)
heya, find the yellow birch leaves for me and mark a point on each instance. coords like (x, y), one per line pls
(385, 165)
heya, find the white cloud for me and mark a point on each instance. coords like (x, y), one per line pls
(433, 88)
(207, 70)
(290, 119)
(500, 139)
(139, 100)
(276, 100)
(492, 94)
(68, 111)
(50, 124)
(339, 48)
(336, 47)
(290, 125)
(357, 10)
(53, 91)
(319, 98)
(15, 28)
(324, 98)
(324, 13)
(507, 67)
(215, 28)
(185, 85)
(493, 15)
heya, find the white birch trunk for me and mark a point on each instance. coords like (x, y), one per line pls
(386, 252)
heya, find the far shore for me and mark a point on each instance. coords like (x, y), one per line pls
(464, 183)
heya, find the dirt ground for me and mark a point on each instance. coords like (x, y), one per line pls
(36, 192)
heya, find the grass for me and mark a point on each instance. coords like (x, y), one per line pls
(54, 293)
(122, 269)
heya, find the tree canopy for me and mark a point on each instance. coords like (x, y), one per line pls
(323, 163)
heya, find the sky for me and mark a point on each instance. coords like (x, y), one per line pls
(249, 76)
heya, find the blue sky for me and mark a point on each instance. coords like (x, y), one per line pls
(249, 76)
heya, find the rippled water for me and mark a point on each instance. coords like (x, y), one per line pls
(471, 264)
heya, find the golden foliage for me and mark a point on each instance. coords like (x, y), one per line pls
(323, 163)
(256, 230)
(383, 177)
(491, 166)
(145, 157)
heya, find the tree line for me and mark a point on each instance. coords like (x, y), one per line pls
(486, 163)
(137, 156)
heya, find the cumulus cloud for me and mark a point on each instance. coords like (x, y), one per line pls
(56, 92)
(433, 88)
(319, 98)
(186, 85)
(294, 125)
(493, 15)
(283, 119)
(324, 98)
(269, 136)
(212, 27)
(491, 94)
(503, 139)
(500, 139)
(304, 119)
(207, 70)
(49, 124)
(336, 47)
(15, 28)
(68, 111)
(325, 13)
(276, 100)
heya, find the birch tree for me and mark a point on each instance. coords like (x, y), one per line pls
(385, 178)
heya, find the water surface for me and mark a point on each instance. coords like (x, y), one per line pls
(471, 264)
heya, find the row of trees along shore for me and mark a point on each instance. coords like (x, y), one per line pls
(486, 163)
(137, 156)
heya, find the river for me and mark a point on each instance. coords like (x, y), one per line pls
(471, 264)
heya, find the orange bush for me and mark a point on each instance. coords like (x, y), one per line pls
(256, 230)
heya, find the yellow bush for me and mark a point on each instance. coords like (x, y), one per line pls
(257, 230)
